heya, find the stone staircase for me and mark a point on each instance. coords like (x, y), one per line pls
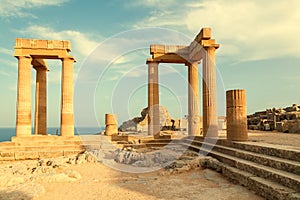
(35, 147)
(272, 171)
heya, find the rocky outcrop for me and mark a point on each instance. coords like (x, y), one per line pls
(285, 120)
(140, 124)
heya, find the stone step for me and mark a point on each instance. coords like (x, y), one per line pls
(285, 178)
(41, 148)
(265, 188)
(44, 138)
(281, 151)
(47, 143)
(155, 141)
(6, 144)
(271, 161)
(31, 155)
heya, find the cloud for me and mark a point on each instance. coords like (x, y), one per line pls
(19, 8)
(247, 30)
(7, 51)
(3, 73)
(81, 43)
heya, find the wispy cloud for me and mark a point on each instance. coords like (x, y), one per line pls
(3, 73)
(6, 51)
(19, 8)
(82, 43)
(247, 30)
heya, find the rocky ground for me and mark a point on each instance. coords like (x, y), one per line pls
(82, 177)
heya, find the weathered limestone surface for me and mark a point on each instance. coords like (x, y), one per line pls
(23, 122)
(67, 88)
(32, 51)
(236, 114)
(193, 100)
(153, 98)
(111, 124)
(40, 122)
(210, 118)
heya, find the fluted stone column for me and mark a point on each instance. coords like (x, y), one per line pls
(193, 100)
(111, 124)
(40, 123)
(236, 115)
(210, 118)
(23, 121)
(153, 99)
(67, 92)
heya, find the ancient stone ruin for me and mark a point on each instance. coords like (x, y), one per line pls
(203, 49)
(285, 120)
(140, 124)
(32, 52)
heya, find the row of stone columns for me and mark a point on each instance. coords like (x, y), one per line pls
(210, 119)
(23, 121)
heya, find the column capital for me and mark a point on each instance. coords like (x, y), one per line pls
(23, 57)
(212, 47)
(190, 63)
(150, 60)
(71, 58)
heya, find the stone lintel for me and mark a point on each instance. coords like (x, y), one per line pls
(43, 44)
(169, 58)
(164, 49)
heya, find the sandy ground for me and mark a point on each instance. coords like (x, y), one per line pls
(290, 139)
(101, 182)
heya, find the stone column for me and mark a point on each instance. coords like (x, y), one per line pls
(193, 100)
(210, 118)
(111, 124)
(236, 115)
(153, 99)
(40, 123)
(23, 121)
(67, 92)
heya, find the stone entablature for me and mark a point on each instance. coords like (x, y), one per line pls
(43, 44)
(45, 49)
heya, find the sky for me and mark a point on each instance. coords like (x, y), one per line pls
(259, 52)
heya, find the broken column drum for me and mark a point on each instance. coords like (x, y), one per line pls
(111, 123)
(236, 115)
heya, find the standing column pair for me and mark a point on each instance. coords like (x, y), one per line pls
(23, 119)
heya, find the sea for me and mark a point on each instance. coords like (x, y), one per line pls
(7, 133)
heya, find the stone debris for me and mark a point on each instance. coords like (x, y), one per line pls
(172, 161)
(20, 180)
(286, 120)
(140, 124)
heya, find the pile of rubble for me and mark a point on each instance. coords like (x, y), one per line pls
(285, 120)
(177, 161)
(140, 124)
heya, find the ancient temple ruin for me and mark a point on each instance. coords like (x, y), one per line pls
(202, 48)
(33, 52)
